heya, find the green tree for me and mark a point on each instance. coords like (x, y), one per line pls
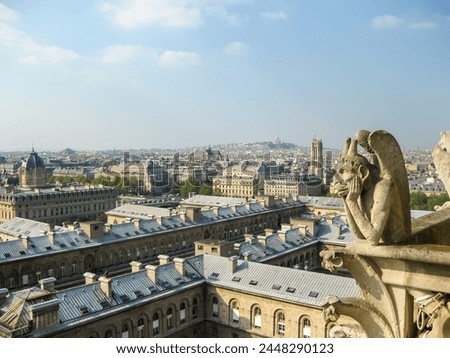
(418, 201)
(189, 186)
(205, 189)
(436, 200)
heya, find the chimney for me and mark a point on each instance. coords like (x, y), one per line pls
(108, 227)
(269, 232)
(89, 277)
(159, 220)
(234, 263)
(105, 285)
(152, 273)
(137, 223)
(247, 256)
(179, 265)
(302, 230)
(163, 259)
(282, 235)
(47, 284)
(25, 241)
(136, 266)
(182, 215)
(51, 237)
(262, 240)
(249, 238)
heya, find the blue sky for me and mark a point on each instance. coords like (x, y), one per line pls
(129, 74)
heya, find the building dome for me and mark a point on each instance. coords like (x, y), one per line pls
(33, 162)
(33, 172)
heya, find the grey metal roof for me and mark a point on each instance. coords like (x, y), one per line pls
(139, 211)
(207, 200)
(19, 226)
(266, 276)
(337, 233)
(275, 246)
(322, 201)
(88, 302)
(65, 240)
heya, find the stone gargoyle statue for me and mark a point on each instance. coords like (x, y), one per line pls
(441, 159)
(375, 190)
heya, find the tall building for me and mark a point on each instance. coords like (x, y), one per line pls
(316, 165)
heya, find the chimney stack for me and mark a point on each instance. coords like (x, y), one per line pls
(105, 285)
(51, 237)
(152, 273)
(47, 284)
(233, 263)
(89, 277)
(137, 223)
(163, 259)
(136, 266)
(179, 265)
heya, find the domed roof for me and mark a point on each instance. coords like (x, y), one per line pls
(33, 162)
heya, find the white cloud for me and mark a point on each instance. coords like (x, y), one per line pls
(46, 54)
(167, 13)
(236, 48)
(178, 58)
(132, 14)
(120, 53)
(425, 25)
(386, 21)
(7, 14)
(9, 36)
(273, 16)
(34, 53)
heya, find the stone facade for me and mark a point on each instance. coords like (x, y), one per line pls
(119, 244)
(55, 205)
(195, 297)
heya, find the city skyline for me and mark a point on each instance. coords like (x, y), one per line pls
(172, 74)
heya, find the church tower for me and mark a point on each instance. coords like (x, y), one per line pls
(316, 165)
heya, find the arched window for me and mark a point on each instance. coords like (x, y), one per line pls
(257, 318)
(141, 328)
(108, 334)
(182, 313)
(234, 312)
(155, 324)
(194, 308)
(215, 307)
(280, 323)
(169, 318)
(305, 326)
(125, 331)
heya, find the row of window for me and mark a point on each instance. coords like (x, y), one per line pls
(160, 322)
(279, 318)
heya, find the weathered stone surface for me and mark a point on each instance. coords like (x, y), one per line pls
(375, 191)
(441, 159)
